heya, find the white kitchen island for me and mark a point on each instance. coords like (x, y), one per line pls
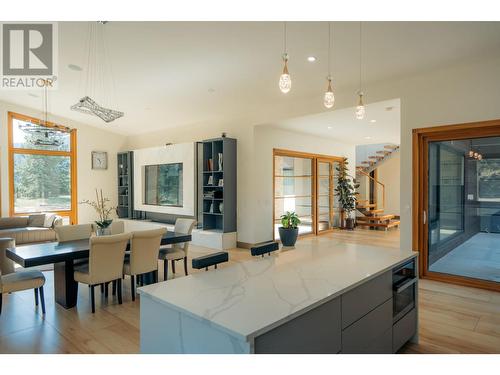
(321, 297)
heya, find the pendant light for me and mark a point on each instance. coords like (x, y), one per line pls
(360, 108)
(285, 82)
(329, 98)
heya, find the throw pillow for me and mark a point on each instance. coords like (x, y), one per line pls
(37, 220)
(49, 220)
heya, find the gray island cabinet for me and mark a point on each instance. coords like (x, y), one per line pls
(340, 298)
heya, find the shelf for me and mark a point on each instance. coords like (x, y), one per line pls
(212, 213)
(213, 171)
(212, 186)
(213, 199)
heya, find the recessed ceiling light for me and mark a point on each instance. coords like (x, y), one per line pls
(368, 137)
(311, 59)
(329, 127)
(211, 90)
(389, 108)
(33, 95)
(74, 67)
(373, 120)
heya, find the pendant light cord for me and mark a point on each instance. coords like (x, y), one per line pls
(360, 57)
(329, 51)
(284, 39)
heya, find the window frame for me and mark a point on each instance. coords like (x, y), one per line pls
(73, 212)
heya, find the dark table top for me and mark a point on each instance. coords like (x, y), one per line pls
(53, 252)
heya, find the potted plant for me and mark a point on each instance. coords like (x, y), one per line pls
(103, 211)
(289, 229)
(346, 191)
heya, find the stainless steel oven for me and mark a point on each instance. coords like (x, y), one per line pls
(404, 284)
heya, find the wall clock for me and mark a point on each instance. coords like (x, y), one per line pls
(99, 160)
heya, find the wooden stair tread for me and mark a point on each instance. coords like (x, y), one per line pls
(365, 205)
(373, 212)
(390, 147)
(378, 157)
(384, 152)
(391, 224)
(375, 218)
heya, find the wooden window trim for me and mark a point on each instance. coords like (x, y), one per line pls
(420, 140)
(73, 212)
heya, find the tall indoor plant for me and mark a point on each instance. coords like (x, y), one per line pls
(289, 229)
(100, 205)
(346, 191)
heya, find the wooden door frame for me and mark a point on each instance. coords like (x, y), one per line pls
(73, 213)
(314, 188)
(421, 137)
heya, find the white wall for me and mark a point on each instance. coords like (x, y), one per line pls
(179, 153)
(88, 139)
(266, 138)
(389, 174)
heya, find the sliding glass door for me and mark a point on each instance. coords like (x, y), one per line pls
(328, 208)
(457, 205)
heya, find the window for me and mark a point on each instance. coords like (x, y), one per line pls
(42, 167)
(163, 185)
(488, 180)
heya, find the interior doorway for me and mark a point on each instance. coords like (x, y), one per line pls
(456, 223)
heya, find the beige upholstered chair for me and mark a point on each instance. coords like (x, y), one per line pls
(144, 250)
(11, 281)
(178, 251)
(66, 233)
(105, 265)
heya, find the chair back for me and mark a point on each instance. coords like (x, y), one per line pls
(144, 249)
(106, 257)
(66, 233)
(184, 226)
(6, 265)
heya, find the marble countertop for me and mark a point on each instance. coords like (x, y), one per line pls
(249, 298)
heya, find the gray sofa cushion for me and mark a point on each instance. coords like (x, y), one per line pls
(36, 220)
(13, 222)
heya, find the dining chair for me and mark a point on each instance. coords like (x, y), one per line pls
(11, 281)
(106, 256)
(144, 250)
(177, 251)
(65, 233)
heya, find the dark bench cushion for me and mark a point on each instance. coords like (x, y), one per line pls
(210, 260)
(264, 248)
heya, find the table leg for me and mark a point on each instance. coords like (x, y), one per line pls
(65, 286)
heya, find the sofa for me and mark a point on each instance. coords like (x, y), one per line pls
(30, 229)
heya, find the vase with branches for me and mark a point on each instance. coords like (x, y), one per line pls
(346, 191)
(103, 209)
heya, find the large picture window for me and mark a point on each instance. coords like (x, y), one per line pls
(42, 167)
(488, 180)
(163, 185)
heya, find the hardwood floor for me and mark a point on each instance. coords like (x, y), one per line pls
(453, 319)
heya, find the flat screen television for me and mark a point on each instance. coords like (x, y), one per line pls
(163, 185)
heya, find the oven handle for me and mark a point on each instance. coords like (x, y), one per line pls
(400, 288)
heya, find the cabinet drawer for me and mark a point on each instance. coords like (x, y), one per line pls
(404, 329)
(315, 332)
(364, 298)
(372, 333)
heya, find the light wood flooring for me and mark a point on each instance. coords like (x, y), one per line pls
(453, 319)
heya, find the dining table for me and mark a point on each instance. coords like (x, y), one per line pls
(63, 256)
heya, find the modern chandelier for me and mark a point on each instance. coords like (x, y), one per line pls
(360, 108)
(285, 82)
(329, 97)
(96, 74)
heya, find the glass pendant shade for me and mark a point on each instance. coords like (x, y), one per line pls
(285, 82)
(360, 108)
(329, 98)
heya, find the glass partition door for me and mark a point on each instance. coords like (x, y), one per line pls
(328, 208)
(293, 191)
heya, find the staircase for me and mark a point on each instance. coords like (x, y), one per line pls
(372, 214)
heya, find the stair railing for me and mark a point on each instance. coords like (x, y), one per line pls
(378, 182)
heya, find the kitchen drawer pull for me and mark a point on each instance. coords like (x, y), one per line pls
(406, 284)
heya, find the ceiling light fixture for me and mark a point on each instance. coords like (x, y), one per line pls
(360, 108)
(329, 97)
(368, 137)
(97, 71)
(311, 59)
(285, 82)
(329, 127)
(373, 121)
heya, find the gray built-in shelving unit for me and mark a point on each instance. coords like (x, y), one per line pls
(125, 206)
(219, 200)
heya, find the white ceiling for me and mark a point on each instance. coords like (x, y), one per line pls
(164, 71)
(342, 126)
